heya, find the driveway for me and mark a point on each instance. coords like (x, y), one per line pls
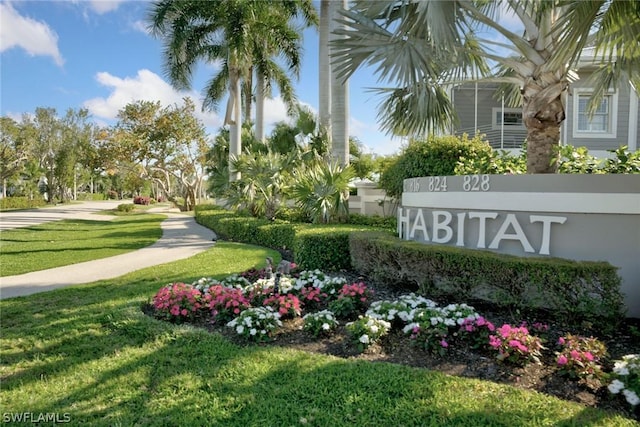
(181, 238)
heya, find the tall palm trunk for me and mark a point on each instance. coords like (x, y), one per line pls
(247, 91)
(234, 121)
(324, 95)
(260, 108)
(543, 113)
(339, 102)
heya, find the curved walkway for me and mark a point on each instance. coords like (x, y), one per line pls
(181, 238)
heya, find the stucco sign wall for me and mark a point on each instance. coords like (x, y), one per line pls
(580, 217)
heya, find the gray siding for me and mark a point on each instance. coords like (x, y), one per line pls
(621, 128)
(464, 100)
(464, 103)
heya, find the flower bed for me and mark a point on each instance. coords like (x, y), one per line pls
(318, 312)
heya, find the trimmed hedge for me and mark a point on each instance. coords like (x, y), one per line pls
(322, 246)
(21, 202)
(579, 290)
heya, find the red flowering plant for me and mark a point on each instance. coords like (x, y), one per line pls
(288, 306)
(312, 298)
(579, 357)
(253, 274)
(476, 332)
(516, 345)
(257, 295)
(226, 303)
(429, 329)
(352, 300)
(177, 302)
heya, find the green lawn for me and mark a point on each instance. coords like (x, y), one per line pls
(59, 243)
(88, 353)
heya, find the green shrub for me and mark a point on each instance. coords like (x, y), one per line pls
(434, 156)
(494, 162)
(21, 202)
(324, 247)
(126, 207)
(319, 246)
(573, 290)
(377, 221)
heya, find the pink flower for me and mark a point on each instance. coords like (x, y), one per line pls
(444, 344)
(562, 360)
(561, 341)
(575, 354)
(184, 312)
(587, 355)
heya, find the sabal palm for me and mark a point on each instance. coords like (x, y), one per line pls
(321, 190)
(264, 183)
(423, 45)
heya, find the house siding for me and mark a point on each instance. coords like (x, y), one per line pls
(464, 100)
(621, 127)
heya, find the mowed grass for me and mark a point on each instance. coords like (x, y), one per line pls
(89, 353)
(65, 242)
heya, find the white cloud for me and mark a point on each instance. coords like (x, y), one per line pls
(274, 111)
(35, 37)
(145, 86)
(140, 26)
(104, 6)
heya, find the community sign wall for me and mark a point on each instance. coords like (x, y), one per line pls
(578, 217)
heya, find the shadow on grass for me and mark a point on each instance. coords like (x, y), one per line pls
(97, 357)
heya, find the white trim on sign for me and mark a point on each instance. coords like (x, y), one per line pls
(589, 203)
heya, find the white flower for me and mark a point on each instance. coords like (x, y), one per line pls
(631, 397)
(621, 370)
(326, 326)
(374, 329)
(616, 386)
(240, 329)
(364, 339)
(450, 322)
(253, 331)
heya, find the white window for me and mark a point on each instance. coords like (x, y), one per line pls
(602, 124)
(511, 117)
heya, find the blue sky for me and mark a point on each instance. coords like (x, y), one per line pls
(96, 54)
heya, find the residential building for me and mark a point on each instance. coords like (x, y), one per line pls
(614, 124)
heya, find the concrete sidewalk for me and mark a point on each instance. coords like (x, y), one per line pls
(181, 238)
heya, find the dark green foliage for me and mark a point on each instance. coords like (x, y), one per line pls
(324, 248)
(21, 202)
(377, 221)
(126, 207)
(494, 162)
(434, 156)
(314, 246)
(572, 290)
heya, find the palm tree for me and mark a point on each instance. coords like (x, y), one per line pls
(339, 100)
(324, 72)
(424, 45)
(231, 32)
(280, 40)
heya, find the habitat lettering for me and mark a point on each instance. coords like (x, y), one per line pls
(440, 226)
